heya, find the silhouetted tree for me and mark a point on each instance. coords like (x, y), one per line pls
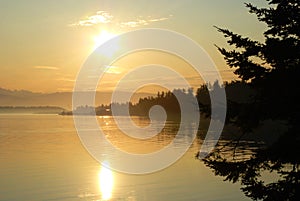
(270, 67)
(279, 55)
(269, 71)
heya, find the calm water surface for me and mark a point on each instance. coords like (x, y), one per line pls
(42, 158)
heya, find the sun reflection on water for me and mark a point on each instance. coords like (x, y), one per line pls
(106, 181)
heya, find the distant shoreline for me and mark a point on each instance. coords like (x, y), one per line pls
(31, 110)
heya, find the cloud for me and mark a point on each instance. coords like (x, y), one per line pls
(46, 67)
(65, 79)
(133, 24)
(142, 21)
(160, 19)
(64, 89)
(103, 17)
(113, 70)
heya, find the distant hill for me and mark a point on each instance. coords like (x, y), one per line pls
(59, 99)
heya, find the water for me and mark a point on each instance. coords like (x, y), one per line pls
(42, 158)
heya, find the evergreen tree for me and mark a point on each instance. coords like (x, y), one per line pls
(271, 69)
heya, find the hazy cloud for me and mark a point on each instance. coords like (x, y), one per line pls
(46, 67)
(103, 17)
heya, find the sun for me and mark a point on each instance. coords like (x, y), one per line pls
(102, 38)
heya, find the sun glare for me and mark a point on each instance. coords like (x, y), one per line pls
(106, 182)
(102, 38)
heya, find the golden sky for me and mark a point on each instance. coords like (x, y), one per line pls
(44, 43)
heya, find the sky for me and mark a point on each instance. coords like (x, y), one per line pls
(44, 43)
